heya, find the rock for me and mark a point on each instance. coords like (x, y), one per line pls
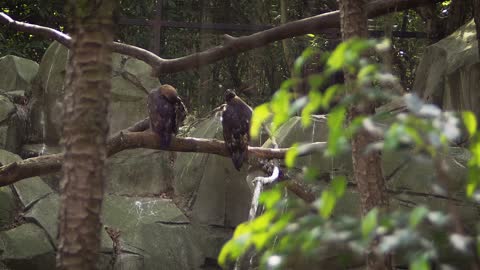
(45, 213)
(131, 81)
(7, 108)
(26, 247)
(208, 186)
(448, 73)
(140, 172)
(13, 124)
(7, 207)
(17, 73)
(28, 190)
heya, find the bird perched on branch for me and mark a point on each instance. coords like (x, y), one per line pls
(236, 127)
(166, 111)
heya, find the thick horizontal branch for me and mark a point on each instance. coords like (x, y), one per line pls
(42, 165)
(232, 45)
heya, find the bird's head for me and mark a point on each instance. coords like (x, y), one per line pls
(229, 95)
(169, 92)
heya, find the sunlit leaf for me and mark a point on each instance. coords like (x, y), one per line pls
(470, 122)
(329, 94)
(338, 186)
(279, 107)
(337, 58)
(326, 204)
(369, 222)
(291, 155)
(366, 71)
(259, 116)
(417, 215)
(300, 61)
(270, 197)
(336, 136)
(314, 102)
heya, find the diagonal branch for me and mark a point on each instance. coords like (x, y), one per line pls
(232, 45)
(42, 165)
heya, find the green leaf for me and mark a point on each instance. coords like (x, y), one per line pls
(329, 94)
(300, 61)
(338, 186)
(337, 58)
(291, 155)
(369, 223)
(336, 134)
(417, 215)
(279, 106)
(270, 197)
(366, 71)
(326, 204)
(314, 102)
(420, 263)
(260, 115)
(470, 122)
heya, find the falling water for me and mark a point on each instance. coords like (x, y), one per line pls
(42, 124)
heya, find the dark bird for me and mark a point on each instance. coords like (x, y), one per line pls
(236, 127)
(166, 111)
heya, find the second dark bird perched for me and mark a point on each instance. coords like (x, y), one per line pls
(236, 127)
(166, 111)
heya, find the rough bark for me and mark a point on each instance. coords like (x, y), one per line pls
(366, 165)
(85, 128)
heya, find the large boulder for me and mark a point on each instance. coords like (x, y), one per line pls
(209, 187)
(13, 124)
(449, 70)
(153, 230)
(17, 73)
(140, 172)
(131, 81)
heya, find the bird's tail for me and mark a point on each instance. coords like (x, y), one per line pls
(165, 139)
(237, 158)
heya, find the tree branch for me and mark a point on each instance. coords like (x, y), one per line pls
(232, 45)
(42, 165)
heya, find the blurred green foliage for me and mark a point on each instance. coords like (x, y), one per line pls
(291, 231)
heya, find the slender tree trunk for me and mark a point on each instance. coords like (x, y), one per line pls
(476, 16)
(458, 14)
(286, 43)
(367, 166)
(85, 128)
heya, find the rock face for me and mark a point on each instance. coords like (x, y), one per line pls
(153, 230)
(13, 124)
(207, 186)
(17, 77)
(131, 82)
(449, 70)
(17, 73)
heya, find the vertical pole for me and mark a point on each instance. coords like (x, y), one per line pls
(157, 25)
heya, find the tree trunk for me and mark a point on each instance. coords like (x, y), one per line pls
(85, 128)
(458, 15)
(476, 16)
(286, 43)
(367, 166)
